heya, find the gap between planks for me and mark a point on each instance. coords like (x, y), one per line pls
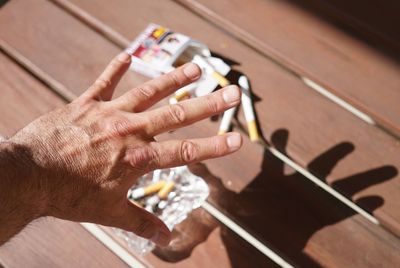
(112, 245)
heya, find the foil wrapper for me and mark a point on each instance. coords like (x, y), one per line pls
(188, 193)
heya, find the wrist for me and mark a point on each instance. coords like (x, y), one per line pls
(20, 185)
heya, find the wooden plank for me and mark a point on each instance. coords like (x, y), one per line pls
(313, 247)
(223, 248)
(78, 75)
(47, 242)
(376, 20)
(313, 48)
(314, 123)
(57, 243)
(18, 105)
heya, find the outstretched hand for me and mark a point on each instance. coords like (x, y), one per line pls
(85, 156)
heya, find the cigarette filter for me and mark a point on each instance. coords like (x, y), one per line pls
(203, 63)
(222, 81)
(248, 108)
(143, 191)
(166, 189)
(184, 92)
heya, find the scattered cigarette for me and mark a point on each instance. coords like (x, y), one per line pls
(203, 63)
(143, 191)
(226, 121)
(222, 81)
(166, 189)
(156, 175)
(183, 93)
(248, 108)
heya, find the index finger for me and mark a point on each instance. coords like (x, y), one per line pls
(149, 93)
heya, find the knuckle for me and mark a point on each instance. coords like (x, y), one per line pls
(177, 113)
(219, 148)
(213, 105)
(120, 128)
(115, 64)
(175, 80)
(146, 91)
(188, 151)
(102, 83)
(143, 158)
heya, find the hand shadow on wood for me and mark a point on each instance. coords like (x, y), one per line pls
(282, 210)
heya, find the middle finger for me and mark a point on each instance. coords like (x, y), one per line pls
(187, 112)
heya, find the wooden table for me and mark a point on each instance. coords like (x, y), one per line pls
(326, 80)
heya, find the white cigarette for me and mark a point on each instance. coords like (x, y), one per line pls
(248, 108)
(183, 92)
(156, 175)
(137, 193)
(203, 63)
(226, 120)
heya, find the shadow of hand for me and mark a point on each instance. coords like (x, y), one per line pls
(282, 209)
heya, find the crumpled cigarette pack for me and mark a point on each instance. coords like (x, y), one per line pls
(170, 194)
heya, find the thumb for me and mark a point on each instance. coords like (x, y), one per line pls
(144, 224)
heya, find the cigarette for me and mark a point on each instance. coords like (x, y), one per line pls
(143, 191)
(166, 189)
(248, 108)
(226, 120)
(184, 92)
(223, 82)
(152, 201)
(203, 63)
(162, 204)
(156, 175)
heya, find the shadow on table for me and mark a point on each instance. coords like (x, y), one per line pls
(372, 22)
(2, 2)
(282, 210)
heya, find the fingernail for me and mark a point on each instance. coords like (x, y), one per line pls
(231, 94)
(192, 71)
(234, 141)
(124, 57)
(160, 239)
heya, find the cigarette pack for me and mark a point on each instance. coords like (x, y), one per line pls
(159, 50)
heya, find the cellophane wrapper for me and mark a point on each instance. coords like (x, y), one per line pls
(189, 192)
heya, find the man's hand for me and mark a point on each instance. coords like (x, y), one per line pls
(78, 162)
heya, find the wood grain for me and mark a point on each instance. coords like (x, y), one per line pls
(23, 98)
(56, 243)
(353, 70)
(314, 123)
(375, 20)
(47, 242)
(211, 251)
(312, 244)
